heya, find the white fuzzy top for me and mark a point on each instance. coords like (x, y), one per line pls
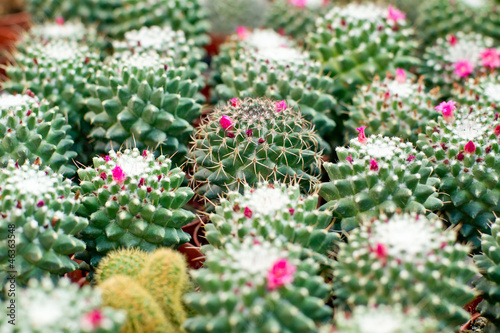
(492, 91)
(8, 101)
(267, 39)
(403, 90)
(141, 60)
(469, 129)
(61, 51)
(361, 12)
(381, 147)
(28, 180)
(162, 39)
(132, 163)
(466, 48)
(68, 30)
(282, 54)
(266, 201)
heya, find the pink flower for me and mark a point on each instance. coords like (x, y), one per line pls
(400, 75)
(261, 140)
(447, 109)
(453, 40)
(93, 319)
(280, 274)
(281, 32)
(249, 132)
(40, 203)
(242, 32)
(490, 58)
(463, 68)
(226, 122)
(235, 102)
(107, 158)
(248, 212)
(298, 3)
(460, 156)
(60, 20)
(118, 174)
(361, 136)
(387, 95)
(497, 130)
(349, 158)
(230, 134)
(395, 15)
(470, 147)
(144, 153)
(380, 251)
(410, 158)
(142, 182)
(103, 175)
(280, 106)
(373, 165)
(291, 210)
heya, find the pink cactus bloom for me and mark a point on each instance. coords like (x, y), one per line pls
(349, 158)
(93, 319)
(298, 3)
(387, 95)
(280, 274)
(410, 158)
(373, 165)
(103, 175)
(249, 132)
(395, 15)
(235, 102)
(40, 203)
(280, 106)
(248, 212)
(291, 210)
(400, 75)
(261, 140)
(107, 158)
(470, 147)
(463, 68)
(230, 134)
(118, 175)
(453, 40)
(361, 136)
(242, 32)
(447, 109)
(60, 20)
(380, 251)
(490, 58)
(226, 122)
(497, 130)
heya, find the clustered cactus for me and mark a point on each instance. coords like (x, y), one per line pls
(483, 91)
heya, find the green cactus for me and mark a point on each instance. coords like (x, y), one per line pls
(481, 91)
(378, 173)
(132, 201)
(257, 286)
(142, 100)
(463, 150)
(455, 58)
(406, 259)
(273, 212)
(395, 106)
(489, 266)
(252, 140)
(43, 10)
(358, 41)
(38, 209)
(31, 130)
(59, 29)
(59, 308)
(125, 261)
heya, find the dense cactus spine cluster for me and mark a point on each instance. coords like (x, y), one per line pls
(483, 91)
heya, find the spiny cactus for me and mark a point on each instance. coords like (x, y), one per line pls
(142, 100)
(125, 261)
(252, 140)
(377, 173)
(295, 17)
(31, 130)
(406, 259)
(132, 200)
(358, 41)
(395, 106)
(256, 286)
(273, 212)
(60, 29)
(281, 73)
(462, 146)
(489, 266)
(43, 10)
(38, 208)
(59, 308)
(481, 91)
(457, 57)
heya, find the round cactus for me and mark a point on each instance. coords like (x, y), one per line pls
(125, 261)
(482, 91)
(358, 41)
(43, 10)
(256, 286)
(395, 106)
(455, 58)
(132, 200)
(273, 212)
(38, 208)
(142, 100)
(376, 174)
(406, 259)
(59, 308)
(489, 266)
(252, 140)
(31, 130)
(60, 29)
(462, 146)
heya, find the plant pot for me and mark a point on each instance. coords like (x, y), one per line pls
(215, 41)
(194, 256)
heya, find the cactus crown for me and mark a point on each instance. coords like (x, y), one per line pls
(261, 39)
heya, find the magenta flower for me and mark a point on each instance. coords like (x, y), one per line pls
(395, 15)
(142, 182)
(60, 20)
(93, 319)
(249, 132)
(447, 109)
(387, 95)
(230, 134)
(497, 130)
(248, 212)
(410, 158)
(453, 40)
(373, 165)
(261, 140)
(40, 203)
(380, 251)
(280, 274)
(235, 102)
(463, 68)
(118, 174)
(103, 175)
(242, 32)
(280, 106)
(400, 75)
(470, 147)
(226, 122)
(298, 3)
(361, 136)
(349, 158)
(107, 158)
(490, 58)
(460, 156)
(291, 210)
(144, 153)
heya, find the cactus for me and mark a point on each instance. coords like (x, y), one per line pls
(132, 201)
(273, 212)
(489, 266)
(462, 146)
(455, 58)
(129, 262)
(31, 130)
(142, 99)
(257, 286)
(377, 173)
(295, 18)
(395, 106)
(43, 10)
(251, 140)
(406, 259)
(481, 91)
(59, 29)
(356, 42)
(38, 208)
(59, 308)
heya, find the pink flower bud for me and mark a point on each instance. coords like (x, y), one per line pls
(242, 32)
(387, 95)
(280, 106)
(248, 212)
(230, 135)
(280, 274)
(447, 109)
(261, 140)
(460, 156)
(103, 175)
(380, 251)
(373, 165)
(291, 210)
(93, 319)
(235, 102)
(144, 153)
(226, 122)
(298, 3)
(490, 58)
(141, 182)
(349, 158)
(400, 75)
(453, 40)
(470, 147)
(118, 174)
(107, 158)
(40, 203)
(463, 68)
(410, 158)
(60, 20)
(497, 130)
(249, 132)
(361, 136)
(395, 15)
